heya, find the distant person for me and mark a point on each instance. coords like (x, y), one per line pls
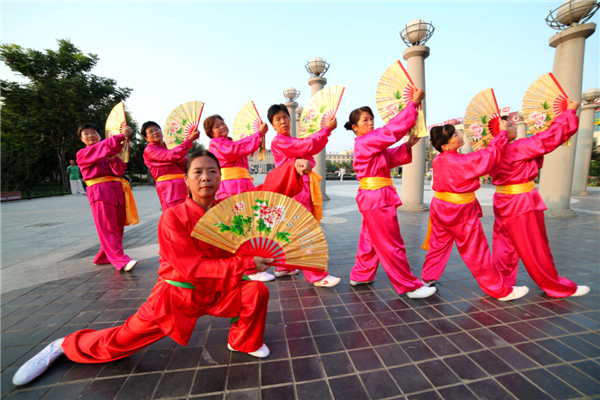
(167, 166)
(342, 172)
(75, 179)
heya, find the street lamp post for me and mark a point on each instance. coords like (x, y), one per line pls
(291, 94)
(585, 141)
(298, 114)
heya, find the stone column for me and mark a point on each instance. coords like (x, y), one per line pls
(291, 106)
(413, 174)
(316, 84)
(466, 148)
(521, 129)
(583, 153)
(557, 173)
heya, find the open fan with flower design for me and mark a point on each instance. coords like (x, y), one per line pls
(266, 224)
(543, 102)
(182, 121)
(321, 108)
(115, 121)
(247, 122)
(482, 119)
(394, 91)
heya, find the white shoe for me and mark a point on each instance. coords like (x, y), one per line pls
(279, 274)
(429, 284)
(38, 363)
(328, 281)
(260, 353)
(517, 293)
(261, 276)
(130, 265)
(581, 291)
(422, 292)
(354, 283)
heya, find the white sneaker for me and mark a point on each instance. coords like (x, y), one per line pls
(328, 281)
(517, 293)
(261, 276)
(429, 284)
(260, 353)
(38, 363)
(130, 265)
(422, 292)
(354, 283)
(279, 274)
(581, 291)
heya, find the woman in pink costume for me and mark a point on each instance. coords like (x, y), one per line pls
(380, 239)
(519, 228)
(167, 166)
(455, 211)
(102, 171)
(233, 158)
(284, 148)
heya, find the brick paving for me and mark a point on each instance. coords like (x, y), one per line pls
(363, 342)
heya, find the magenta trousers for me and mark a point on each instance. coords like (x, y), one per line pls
(110, 224)
(380, 241)
(524, 236)
(474, 250)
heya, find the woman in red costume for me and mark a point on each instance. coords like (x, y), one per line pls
(195, 279)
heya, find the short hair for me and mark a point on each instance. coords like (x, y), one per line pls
(440, 135)
(197, 154)
(209, 122)
(274, 109)
(147, 125)
(355, 116)
(87, 125)
(505, 117)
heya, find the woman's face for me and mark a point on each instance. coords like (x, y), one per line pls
(90, 136)
(511, 131)
(365, 124)
(281, 123)
(456, 141)
(203, 178)
(219, 129)
(154, 135)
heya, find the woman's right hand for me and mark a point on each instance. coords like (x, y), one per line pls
(418, 96)
(332, 123)
(260, 263)
(503, 125)
(126, 131)
(302, 166)
(572, 105)
(195, 135)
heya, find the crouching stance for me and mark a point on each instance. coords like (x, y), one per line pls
(195, 279)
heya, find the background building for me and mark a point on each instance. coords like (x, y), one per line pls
(262, 166)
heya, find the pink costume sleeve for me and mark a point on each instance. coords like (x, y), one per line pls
(106, 148)
(231, 151)
(382, 138)
(304, 148)
(156, 156)
(483, 161)
(118, 166)
(400, 155)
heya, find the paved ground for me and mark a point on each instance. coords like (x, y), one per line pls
(343, 343)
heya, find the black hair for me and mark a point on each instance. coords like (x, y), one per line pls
(147, 125)
(209, 122)
(274, 109)
(505, 117)
(200, 153)
(355, 116)
(87, 125)
(440, 135)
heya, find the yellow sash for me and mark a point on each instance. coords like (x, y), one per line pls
(169, 177)
(131, 214)
(516, 189)
(375, 183)
(315, 195)
(454, 198)
(230, 173)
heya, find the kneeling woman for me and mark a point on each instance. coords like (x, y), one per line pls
(195, 279)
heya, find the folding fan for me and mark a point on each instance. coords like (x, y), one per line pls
(543, 102)
(394, 91)
(247, 122)
(266, 224)
(116, 120)
(182, 122)
(482, 119)
(321, 108)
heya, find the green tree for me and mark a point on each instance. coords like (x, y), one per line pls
(330, 166)
(59, 95)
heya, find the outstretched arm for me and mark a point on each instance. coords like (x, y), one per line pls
(106, 148)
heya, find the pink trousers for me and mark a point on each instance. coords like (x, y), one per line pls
(474, 250)
(380, 241)
(524, 236)
(110, 224)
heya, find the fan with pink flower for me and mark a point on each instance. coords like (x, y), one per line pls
(182, 121)
(482, 119)
(247, 122)
(543, 102)
(321, 108)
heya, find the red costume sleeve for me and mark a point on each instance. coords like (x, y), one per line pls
(106, 148)
(118, 166)
(400, 155)
(155, 156)
(283, 180)
(380, 139)
(302, 148)
(482, 162)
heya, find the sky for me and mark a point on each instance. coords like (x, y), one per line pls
(227, 54)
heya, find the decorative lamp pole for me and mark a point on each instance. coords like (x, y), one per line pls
(291, 94)
(585, 141)
(317, 67)
(521, 126)
(557, 175)
(415, 35)
(298, 114)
